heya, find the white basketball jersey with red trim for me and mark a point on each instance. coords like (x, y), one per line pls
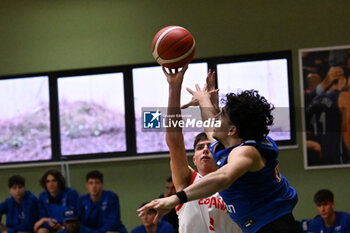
(205, 215)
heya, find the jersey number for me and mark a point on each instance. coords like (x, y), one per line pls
(321, 121)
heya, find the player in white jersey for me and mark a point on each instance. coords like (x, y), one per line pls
(204, 215)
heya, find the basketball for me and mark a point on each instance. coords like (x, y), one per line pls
(173, 47)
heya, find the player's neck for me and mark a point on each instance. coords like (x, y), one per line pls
(206, 170)
(232, 141)
(151, 229)
(96, 198)
(328, 222)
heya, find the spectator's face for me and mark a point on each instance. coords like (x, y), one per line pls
(169, 189)
(52, 185)
(72, 226)
(17, 192)
(94, 186)
(326, 209)
(147, 218)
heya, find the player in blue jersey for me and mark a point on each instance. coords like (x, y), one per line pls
(148, 225)
(21, 209)
(329, 221)
(99, 209)
(257, 196)
(325, 116)
(54, 202)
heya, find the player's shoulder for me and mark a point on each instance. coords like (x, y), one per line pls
(28, 195)
(165, 226)
(344, 215)
(315, 224)
(109, 195)
(343, 98)
(245, 150)
(43, 195)
(69, 192)
(84, 198)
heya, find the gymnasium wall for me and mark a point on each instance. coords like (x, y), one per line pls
(40, 35)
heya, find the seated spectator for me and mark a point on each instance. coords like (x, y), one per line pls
(54, 202)
(329, 219)
(170, 217)
(71, 223)
(21, 209)
(149, 227)
(99, 209)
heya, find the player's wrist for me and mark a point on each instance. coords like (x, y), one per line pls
(181, 195)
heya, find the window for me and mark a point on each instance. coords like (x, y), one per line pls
(92, 116)
(24, 120)
(270, 78)
(151, 93)
(98, 112)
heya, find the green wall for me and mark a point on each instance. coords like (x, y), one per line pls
(40, 35)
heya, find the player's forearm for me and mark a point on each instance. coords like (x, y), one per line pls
(175, 141)
(207, 108)
(207, 186)
(208, 111)
(174, 132)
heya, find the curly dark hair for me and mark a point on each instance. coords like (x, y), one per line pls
(250, 113)
(58, 176)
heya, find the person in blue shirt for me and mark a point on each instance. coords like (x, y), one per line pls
(21, 209)
(256, 195)
(54, 202)
(329, 221)
(149, 227)
(170, 217)
(71, 223)
(99, 209)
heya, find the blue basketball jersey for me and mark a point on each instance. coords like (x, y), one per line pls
(257, 198)
(323, 119)
(341, 225)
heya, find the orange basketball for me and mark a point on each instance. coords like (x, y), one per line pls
(173, 47)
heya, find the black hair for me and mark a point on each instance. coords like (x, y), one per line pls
(323, 196)
(200, 137)
(16, 180)
(95, 174)
(169, 179)
(250, 113)
(58, 176)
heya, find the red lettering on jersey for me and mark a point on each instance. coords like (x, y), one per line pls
(213, 202)
(277, 174)
(211, 227)
(200, 202)
(221, 204)
(207, 201)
